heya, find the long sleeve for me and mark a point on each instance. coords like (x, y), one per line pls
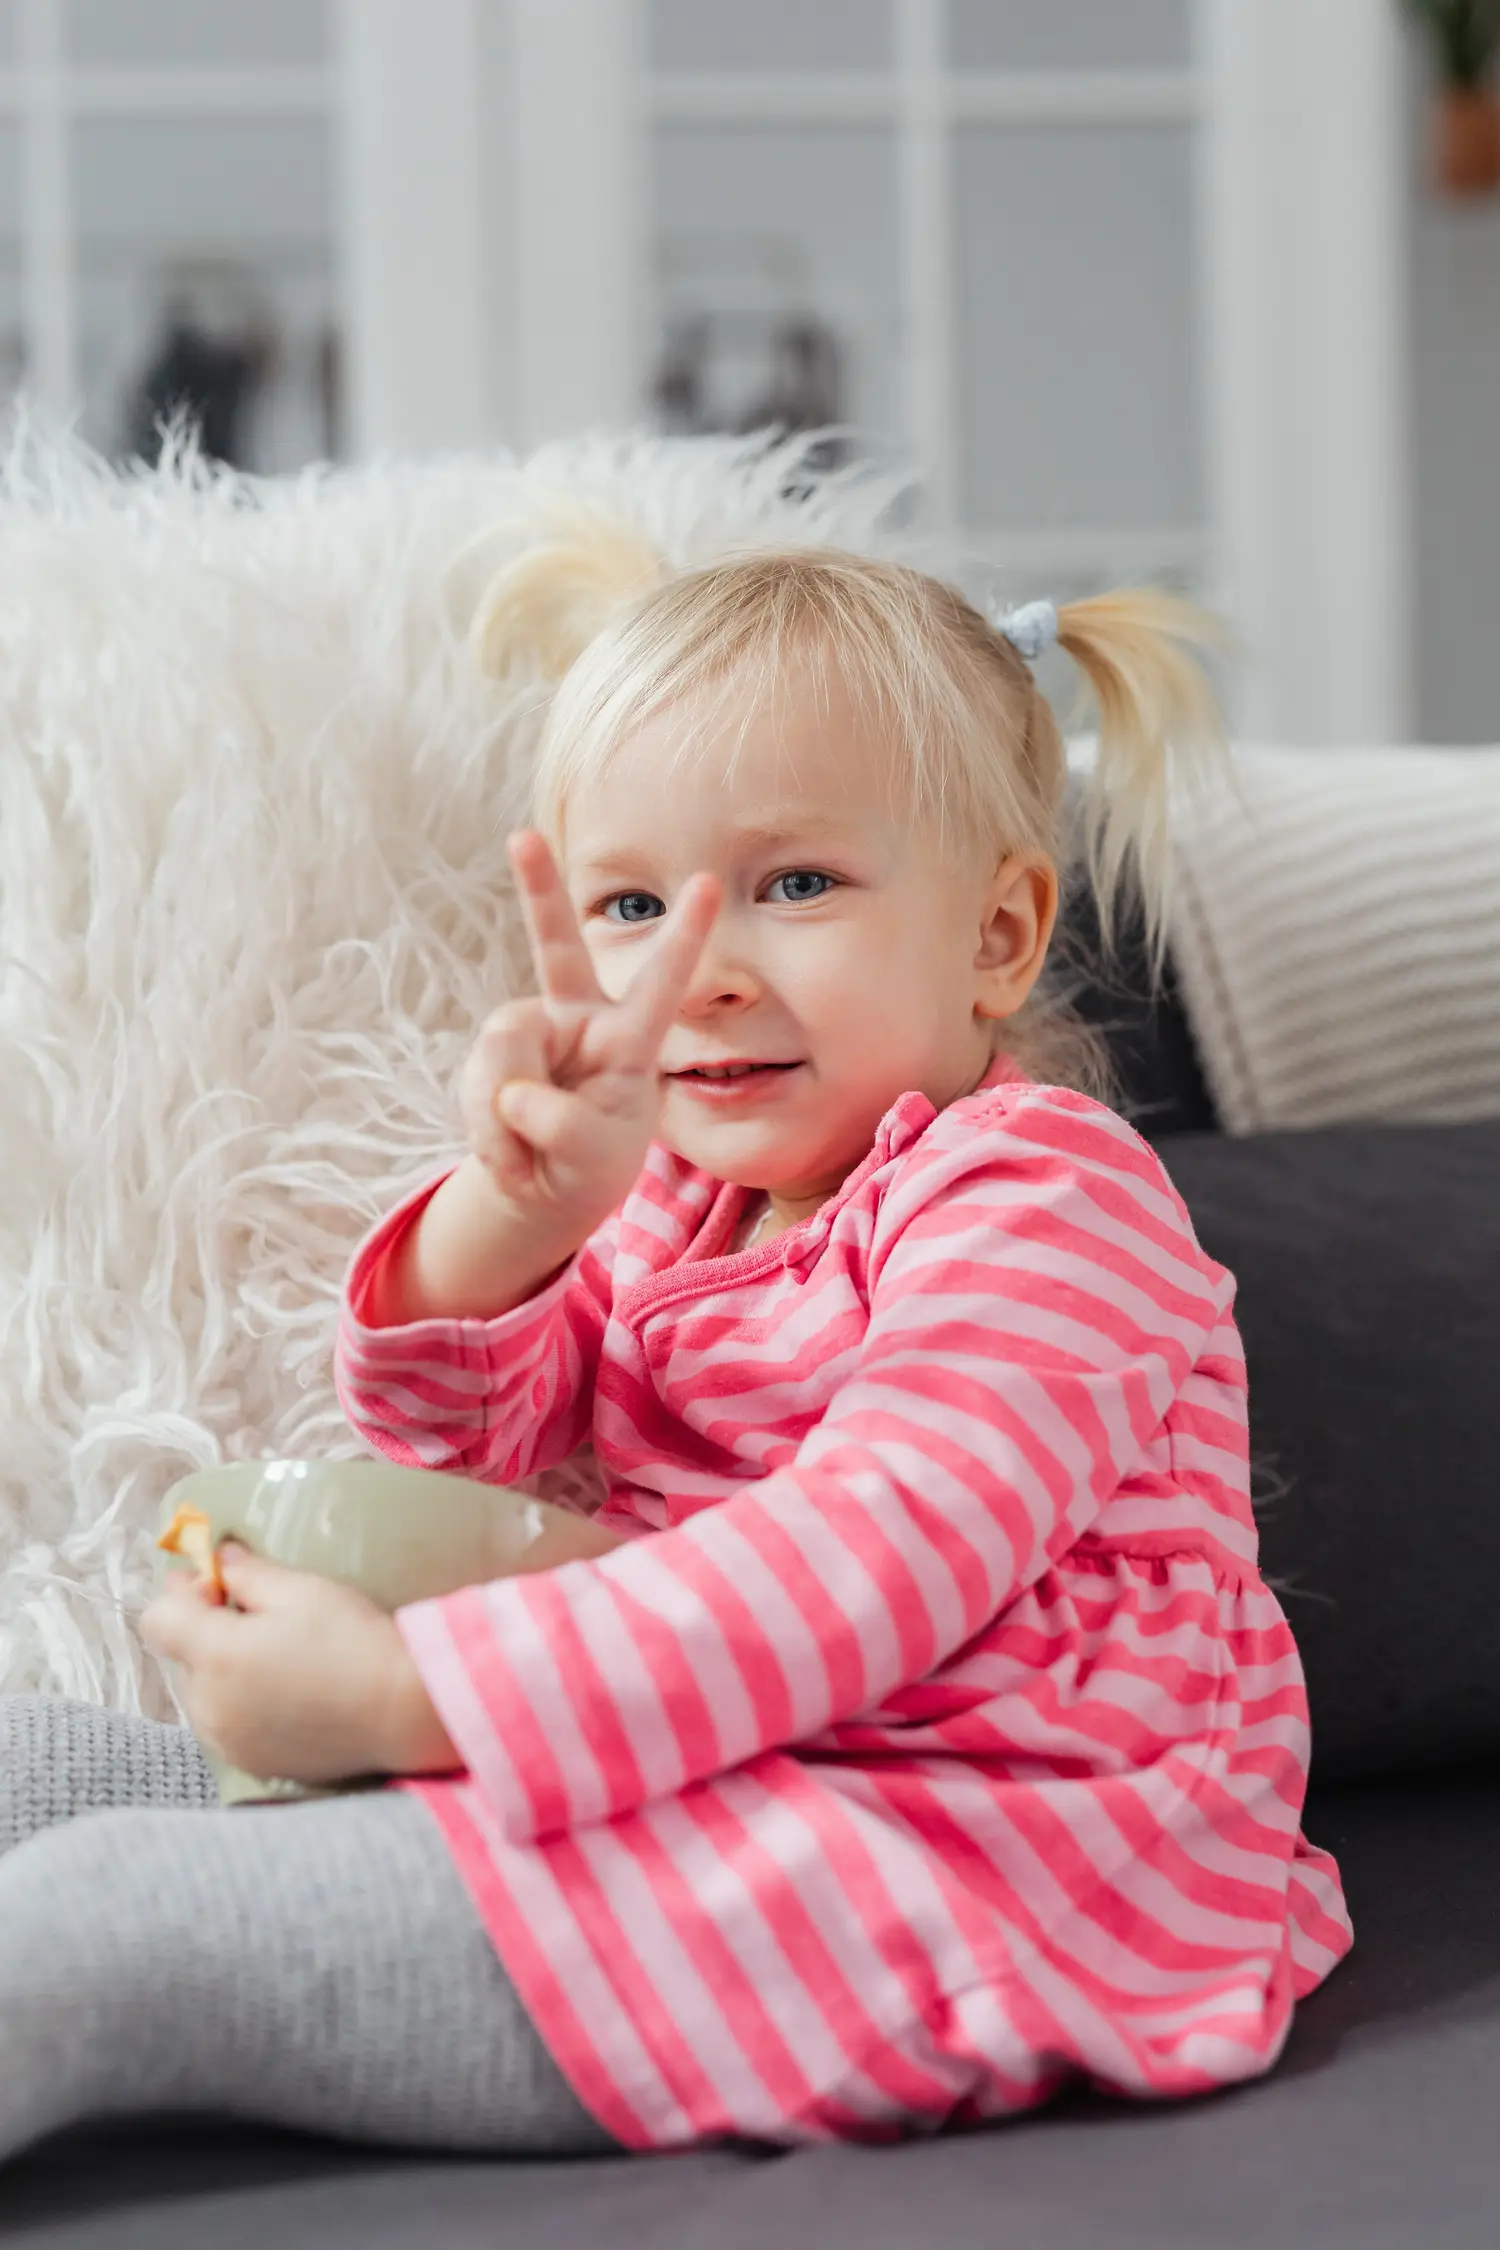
(1036, 1302)
(493, 1399)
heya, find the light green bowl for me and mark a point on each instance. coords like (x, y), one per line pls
(398, 1535)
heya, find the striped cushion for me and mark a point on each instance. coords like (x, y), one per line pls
(1336, 932)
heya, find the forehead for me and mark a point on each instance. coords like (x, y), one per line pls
(754, 751)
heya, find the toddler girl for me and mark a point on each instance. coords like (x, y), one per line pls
(930, 1739)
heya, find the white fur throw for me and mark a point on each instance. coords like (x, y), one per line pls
(253, 901)
(1336, 928)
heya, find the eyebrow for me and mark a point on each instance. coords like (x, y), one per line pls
(793, 827)
(771, 831)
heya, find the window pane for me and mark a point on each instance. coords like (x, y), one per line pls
(12, 342)
(770, 35)
(205, 261)
(776, 258)
(1070, 34)
(1076, 323)
(111, 32)
(10, 188)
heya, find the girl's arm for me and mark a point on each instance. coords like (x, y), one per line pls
(1038, 1303)
(465, 1255)
(497, 1398)
(451, 1352)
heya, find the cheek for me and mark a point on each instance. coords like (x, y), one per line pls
(918, 978)
(611, 963)
(819, 969)
(851, 977)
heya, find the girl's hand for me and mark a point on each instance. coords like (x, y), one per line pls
(304, 1680)
(561, 1094)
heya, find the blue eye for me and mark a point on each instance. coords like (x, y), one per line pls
(799, 885)
(633, 906)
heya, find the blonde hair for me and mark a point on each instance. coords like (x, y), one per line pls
(593, 608)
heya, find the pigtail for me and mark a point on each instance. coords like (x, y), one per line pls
(577, 568)
(1159, 728)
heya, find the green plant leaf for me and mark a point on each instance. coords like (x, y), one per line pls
(1465, 33)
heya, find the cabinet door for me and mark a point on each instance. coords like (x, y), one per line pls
(967, 228)
(1077, 376)
(205, 270)
(1070, 34)
(198, 164)
(779, 35)
(135, 34)
(775, 281)
(1077, 362)
(777, 278)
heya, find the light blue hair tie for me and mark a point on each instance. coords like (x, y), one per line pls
(1031, 629)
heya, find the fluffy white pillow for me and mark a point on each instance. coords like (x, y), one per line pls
(253, 900)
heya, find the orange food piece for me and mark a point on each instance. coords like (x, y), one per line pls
(190, 1535)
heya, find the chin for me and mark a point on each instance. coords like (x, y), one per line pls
(739, 1157)
(742, 1149)
(750, 1153)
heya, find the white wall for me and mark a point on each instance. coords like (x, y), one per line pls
(1306, 226)
(1455, 395)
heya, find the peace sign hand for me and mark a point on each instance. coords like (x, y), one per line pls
(561, 1093)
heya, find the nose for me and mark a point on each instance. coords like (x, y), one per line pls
(723, 978)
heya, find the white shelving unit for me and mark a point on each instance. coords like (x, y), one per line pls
(929, 107)
(1134, 303)
(53, 97)
(1282, 477)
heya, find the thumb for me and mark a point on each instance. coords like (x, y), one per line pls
(250, 1580)
(540, 1113)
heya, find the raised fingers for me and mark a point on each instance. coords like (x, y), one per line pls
(512, 1044)
(564, 970)
(656, 994)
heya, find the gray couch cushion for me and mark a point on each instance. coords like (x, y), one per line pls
(1368, 1261)
(1158, 1079)
(1378, 2132)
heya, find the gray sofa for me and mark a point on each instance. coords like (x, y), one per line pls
(1377, 2132)
(1368, 1261)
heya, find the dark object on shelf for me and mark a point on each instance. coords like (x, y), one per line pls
(198, 378)
(330, 380)
(679, 392)
(804, 390)
(802, 387)
(216, 350)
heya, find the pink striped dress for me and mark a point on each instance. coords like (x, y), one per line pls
(935, 1741)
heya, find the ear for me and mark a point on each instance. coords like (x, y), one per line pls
(1020, 908)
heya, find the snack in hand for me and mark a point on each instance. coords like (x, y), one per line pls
(190, 1535)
